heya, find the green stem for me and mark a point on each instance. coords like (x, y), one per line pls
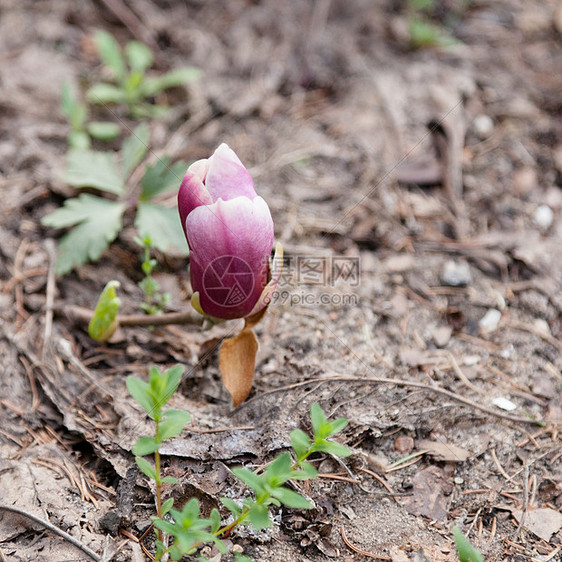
(160, 534)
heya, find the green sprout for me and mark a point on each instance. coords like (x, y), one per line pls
(186, 528)
(154, 300)
(466, 552)
(131, 85)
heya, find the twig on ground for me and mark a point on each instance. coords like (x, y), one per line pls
(359, 551)
(396, 382)
(54, 529)
(51, 280)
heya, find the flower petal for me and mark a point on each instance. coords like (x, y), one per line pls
(192, 193)
(227, 177)
(269, 289)
(230, 245)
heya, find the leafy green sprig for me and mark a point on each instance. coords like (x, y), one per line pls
(188, 530)
(154, 300)
(96, 221)
(131, 85)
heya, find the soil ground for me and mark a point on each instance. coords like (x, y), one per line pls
(429, 169)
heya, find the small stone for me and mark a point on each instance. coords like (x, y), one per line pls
(442, 335)
(458, 480)
(524, 180)
(110, 522)
(456, 274)
(543, 217)
(489, 322)
(483, 126)
(403, 444)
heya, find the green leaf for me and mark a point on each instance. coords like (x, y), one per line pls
(306, 472)
(139, 56)
(169, 480)
(337, 425)
(104, 130)
(153, 86)
(173, 379)
(103, 323)
(79, 140)
(146, 468)
(300, 442)
(279, 471)
(162, 177)
(259, 516)
(467, 553)
(140, 391)
(110, 53)
(215, 519)
(103, 93)
(72, 108)
(100, 223)
(249, 478)
(332, 448)
(89, 168)
(241, 558)
(134, 149)
(145, 446)
(290, 498)
(320, 425)
(231, 505)
(162, 225)
(167, 505)
(172, 424)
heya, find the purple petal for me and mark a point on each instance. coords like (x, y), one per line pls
(192, 192)
(226, 176)
(230, 245)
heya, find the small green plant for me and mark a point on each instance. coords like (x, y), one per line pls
(80, 129)
(186, 528)
(130, 84)
(96, 221)
(104, 320)
(466, 552)
(424, 33)
(154, 300)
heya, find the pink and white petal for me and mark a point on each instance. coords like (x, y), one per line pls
(269, 289)
(192, 194)
(227, 177)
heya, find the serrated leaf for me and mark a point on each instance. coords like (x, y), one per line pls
(103, 93)
(90, 168)
(139, 56)
(162, 177)
(146, 468)
(162, 225)
(134, 149)
(110, 53)
(104, 130)
(103, 323)
(173, 423)
(100, 222)
(249, 478)
(259, 516)
(145, 446)
(153, 86)
(290, 498)
(231, 505)
(167, 505)
(140, 391)
(300, 442)
(466, 552)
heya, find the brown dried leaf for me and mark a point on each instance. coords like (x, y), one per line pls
(443, 451)
(237, 361)
(543, 522)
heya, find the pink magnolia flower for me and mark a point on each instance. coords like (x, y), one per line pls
(229, 231)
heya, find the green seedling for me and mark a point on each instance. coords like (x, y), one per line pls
(96, 221)
(424, 33)
(185, 528)
(154, 300)
(466, 552)
(80, 129)
(130, 84)
(104, 321)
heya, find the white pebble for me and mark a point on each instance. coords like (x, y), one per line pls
(543, 217)
(489, 322)
(483, 126)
